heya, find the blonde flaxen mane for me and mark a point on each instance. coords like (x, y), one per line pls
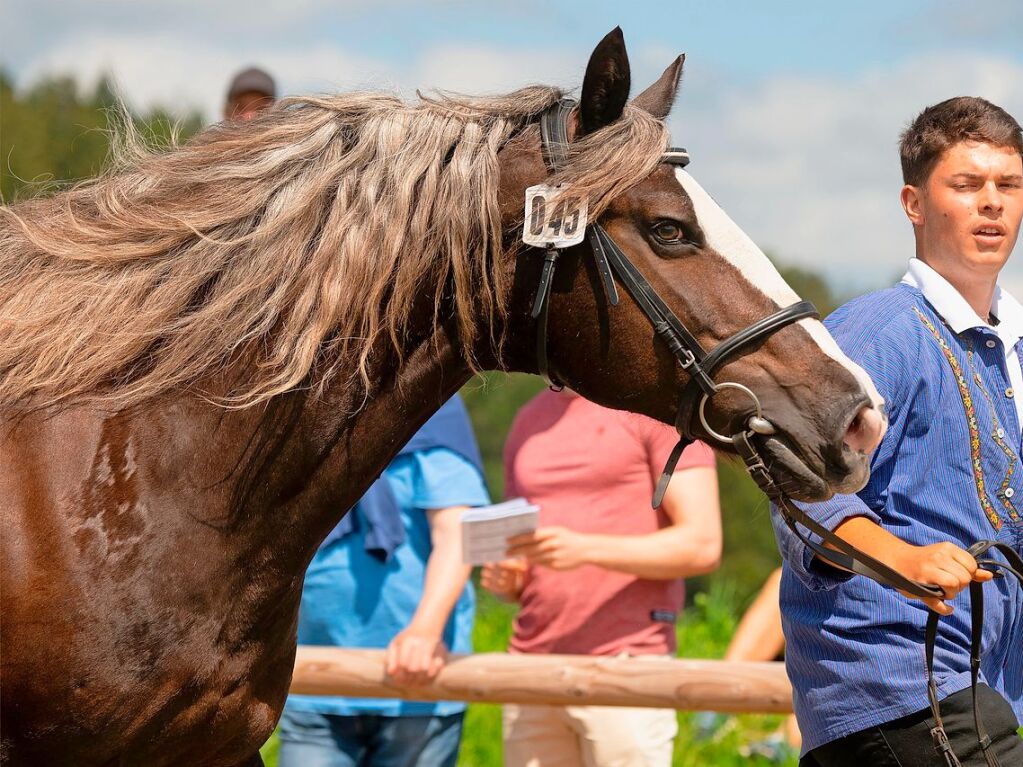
(298, 239)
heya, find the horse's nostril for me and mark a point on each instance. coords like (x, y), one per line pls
(857, 423)
(865, 431)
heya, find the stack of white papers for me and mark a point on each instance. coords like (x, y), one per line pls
(486, 529)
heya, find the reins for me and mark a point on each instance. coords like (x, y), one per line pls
(1013, 566)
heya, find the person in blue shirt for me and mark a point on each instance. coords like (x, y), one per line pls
(942, 347)
(390, 575)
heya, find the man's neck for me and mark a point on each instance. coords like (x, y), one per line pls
(979, 291)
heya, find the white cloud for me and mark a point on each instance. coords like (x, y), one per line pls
(477, 69)
(168, 71)
(162, 70)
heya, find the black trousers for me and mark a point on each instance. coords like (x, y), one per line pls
(907, 742)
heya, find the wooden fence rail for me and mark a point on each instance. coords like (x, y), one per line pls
(556, 680)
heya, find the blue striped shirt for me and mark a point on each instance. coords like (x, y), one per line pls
(948, 469)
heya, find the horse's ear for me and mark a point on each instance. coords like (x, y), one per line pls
(606, 84)
(658, 98)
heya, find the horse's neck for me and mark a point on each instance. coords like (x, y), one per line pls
(337, 446)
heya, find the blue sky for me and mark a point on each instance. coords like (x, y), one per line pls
(791, 109)
(748, 39)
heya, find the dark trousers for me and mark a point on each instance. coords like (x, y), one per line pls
(907, 742)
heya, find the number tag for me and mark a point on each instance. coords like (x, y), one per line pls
(553, 219)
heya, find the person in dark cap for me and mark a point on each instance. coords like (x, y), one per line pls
(251, 91)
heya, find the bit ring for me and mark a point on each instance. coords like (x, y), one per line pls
(757, 423)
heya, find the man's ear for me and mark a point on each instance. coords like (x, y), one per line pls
(658, 98)
(911, 203)
(606, 84)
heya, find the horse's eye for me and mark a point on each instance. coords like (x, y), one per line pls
(668, 232)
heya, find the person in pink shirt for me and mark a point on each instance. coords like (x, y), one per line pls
(602, 575)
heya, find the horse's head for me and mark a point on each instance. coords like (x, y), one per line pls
(824, 415)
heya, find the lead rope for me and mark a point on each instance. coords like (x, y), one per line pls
(938, 734)
(856, 561)
(1014, 567)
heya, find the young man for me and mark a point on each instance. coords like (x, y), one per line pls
(941, 346)
(602, 575)
(391, 575)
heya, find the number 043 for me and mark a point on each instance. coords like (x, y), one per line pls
(564, 220)
(552, 218)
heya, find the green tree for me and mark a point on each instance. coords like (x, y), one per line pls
(51, 134)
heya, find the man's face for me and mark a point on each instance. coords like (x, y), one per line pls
(967, 214)
(247, 105)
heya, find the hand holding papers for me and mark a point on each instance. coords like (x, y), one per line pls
(486, 530)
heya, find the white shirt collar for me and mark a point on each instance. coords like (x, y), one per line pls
(957, 312)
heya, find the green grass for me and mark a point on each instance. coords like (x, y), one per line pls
(704, 630)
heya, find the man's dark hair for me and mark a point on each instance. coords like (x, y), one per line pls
(938, 127)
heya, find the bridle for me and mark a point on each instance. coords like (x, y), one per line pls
(700, 365)
(612, 262)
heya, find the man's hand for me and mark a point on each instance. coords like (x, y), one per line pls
(555, 547)
(940, 564)
(415, 658)
(505, 579)
(944, 565)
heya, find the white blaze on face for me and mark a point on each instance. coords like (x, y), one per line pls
(736, 247)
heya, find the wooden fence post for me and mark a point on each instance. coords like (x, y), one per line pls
(650, 681)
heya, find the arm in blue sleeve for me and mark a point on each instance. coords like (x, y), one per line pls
(444, 478)
(817, 575)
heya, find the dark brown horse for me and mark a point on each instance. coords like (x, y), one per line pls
(207, 356)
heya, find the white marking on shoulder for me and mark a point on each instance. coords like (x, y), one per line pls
(736, 247)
